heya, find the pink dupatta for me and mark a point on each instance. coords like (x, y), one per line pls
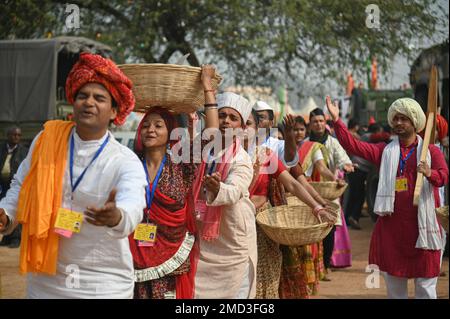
(211, 219)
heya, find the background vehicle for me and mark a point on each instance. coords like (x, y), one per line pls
(32, 79)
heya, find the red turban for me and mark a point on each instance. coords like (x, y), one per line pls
(93, 68)
(442, 127)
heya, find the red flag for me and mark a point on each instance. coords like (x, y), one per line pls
(374, 80)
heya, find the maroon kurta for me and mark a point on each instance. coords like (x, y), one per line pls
(393, 242)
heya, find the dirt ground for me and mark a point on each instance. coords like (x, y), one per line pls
(345, 283)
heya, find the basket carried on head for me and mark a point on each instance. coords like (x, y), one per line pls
(175, 87)
(329, 190)
(294, 225)
(442, 215)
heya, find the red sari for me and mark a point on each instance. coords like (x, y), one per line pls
(171, 211)
(303, 265)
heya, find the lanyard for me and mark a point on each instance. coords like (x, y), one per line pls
(151, 188)
(72, 146)
(404, 159)
(211, 169)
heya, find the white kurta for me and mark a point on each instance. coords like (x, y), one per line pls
(227, 262)
(97, 262)
(277, 146)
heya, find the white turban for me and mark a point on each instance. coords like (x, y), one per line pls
(411, 109)
(237, 102)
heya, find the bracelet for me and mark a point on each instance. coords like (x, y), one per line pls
(212, 105)
(209, 91)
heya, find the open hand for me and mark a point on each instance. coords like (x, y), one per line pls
(208, 73)
(349, 168)
(3, 220)
(333, 109)
(107, 215)
(289, 123)
(212, 183)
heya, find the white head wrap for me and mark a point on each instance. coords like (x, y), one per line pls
(409, 108)
(237, 102)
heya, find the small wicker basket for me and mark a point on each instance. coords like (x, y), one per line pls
(442, 215)
(175, 87)
(329, 190)
(294, 225)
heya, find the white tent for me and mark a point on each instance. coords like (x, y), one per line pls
(306, 108)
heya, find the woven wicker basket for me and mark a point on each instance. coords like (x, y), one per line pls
(293, 225)
(175, 87)
(329, 190)
(442, 215)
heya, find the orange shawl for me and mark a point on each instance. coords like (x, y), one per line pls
(41, 196)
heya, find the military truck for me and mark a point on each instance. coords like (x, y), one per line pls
(420, 75)
(32, 80)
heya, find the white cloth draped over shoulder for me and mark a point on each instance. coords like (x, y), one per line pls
(429, 232)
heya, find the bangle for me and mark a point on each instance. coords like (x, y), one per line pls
(212, 105)
(209, 91)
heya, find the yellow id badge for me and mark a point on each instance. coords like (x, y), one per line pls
(145, 234)
(401, 184)
(69, 220)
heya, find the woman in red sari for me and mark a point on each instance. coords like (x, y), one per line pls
(165, 268)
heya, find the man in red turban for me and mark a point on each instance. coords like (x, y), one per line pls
(76, 170)
(442, 128)
(92, 68)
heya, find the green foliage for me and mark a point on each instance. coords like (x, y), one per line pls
(255, 41)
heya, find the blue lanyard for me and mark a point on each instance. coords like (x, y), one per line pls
(150, 193)
(265, 141)
(72, 146)
(403, 160)
(211, 169)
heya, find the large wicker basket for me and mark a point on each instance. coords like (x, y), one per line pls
(293, 225)
(442, 215)
(329, 190)
(175, 87)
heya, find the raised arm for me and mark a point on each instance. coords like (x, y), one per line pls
(212, 115)
(370, 152)
(290, 145)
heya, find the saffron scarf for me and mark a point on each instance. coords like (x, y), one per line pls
(41, 196)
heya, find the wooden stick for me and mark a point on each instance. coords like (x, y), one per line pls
(430, 128)
(423, 157)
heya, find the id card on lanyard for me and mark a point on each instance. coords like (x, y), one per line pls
(69, 221)
(145, 233)
(401, 182)
(200, 204)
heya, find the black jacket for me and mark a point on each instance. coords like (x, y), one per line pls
(17, 157)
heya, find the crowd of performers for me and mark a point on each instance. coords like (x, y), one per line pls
(200, 216)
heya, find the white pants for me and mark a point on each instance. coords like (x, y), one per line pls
(397, 287)
(244, 291)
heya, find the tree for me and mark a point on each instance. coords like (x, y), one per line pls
(252, 41)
